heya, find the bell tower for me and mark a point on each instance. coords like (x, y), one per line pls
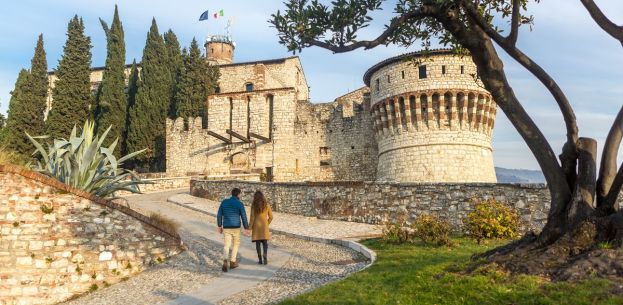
(219, 49)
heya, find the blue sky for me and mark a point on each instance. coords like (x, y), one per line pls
(586, 62)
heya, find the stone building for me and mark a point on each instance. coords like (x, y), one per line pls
(422, 117)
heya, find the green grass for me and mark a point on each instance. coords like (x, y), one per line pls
(418, 274)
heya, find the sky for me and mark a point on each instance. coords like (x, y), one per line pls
(584, 60)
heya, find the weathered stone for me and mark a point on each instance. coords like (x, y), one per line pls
(105, 256)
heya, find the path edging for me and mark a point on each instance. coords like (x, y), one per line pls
(357, 247)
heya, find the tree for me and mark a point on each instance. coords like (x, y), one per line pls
(176, 64)
(28, 102)
(133, 84)
(148, 115)
(72, 92)
(111, 101)
(197, 81)
(468, 25)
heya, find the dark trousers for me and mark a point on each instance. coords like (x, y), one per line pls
(264, 244)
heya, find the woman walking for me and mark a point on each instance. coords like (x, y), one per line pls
(261, 216)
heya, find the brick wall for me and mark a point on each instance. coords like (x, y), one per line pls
(57, 242)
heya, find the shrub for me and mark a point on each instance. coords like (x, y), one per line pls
(8, 156)
(492, 219)
(432, 230)
(165, 223)
(85, 164)
(396, 232)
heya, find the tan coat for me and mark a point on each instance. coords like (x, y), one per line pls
(259, 224)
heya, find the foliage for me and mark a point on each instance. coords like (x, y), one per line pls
(197, 81)
(492, 219)
(133, 84)
(396, 231)
(72, 91)
(148, 115)
(28, 103)
(82, 162)
(432, 230)
(164, 222)
(175, 66)
(8, 156)
(414, 273)
(111, 101)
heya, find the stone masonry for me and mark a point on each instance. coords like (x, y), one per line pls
(57, 242)
(378, 202)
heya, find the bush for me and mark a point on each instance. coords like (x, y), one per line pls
(432, 230)
(396, 232)
(10, 157)
(84, 163)
(492, 219)
(165, 223)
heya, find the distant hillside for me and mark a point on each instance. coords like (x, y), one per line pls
(505, 175)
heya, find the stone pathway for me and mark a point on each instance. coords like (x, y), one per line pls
(296, 225)
(194, 277)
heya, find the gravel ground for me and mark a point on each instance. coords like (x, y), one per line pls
(311, 265)
(179, 275)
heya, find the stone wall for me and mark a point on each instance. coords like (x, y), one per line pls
(57, 242)
(377, 202)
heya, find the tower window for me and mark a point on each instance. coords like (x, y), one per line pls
(388, 80)
(403, 74)
(443, 69)
(462, 69)
(422, 71)
(378, 86)
(249, 87)
(217, 90)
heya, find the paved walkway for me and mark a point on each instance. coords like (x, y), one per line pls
(296, 225)
(242, 278)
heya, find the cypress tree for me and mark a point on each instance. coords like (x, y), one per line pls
(111, 99)
(72, 93)
(176, 64)
(148, 115)
(197, 81)
(28, 102)
(133, 83)
(18, 117)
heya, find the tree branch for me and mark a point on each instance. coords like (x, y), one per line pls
(608, 26)
(569, 155)
(608, 166)
(381, 39)
(512, 37)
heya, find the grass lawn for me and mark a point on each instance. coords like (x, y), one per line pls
(417, 274)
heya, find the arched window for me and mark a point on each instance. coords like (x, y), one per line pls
(249, 87)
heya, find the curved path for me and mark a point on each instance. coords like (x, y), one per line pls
(242, 278)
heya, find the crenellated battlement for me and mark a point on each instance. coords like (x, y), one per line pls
(179, 124)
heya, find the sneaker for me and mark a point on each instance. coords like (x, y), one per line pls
(224, 266)
(233, 265)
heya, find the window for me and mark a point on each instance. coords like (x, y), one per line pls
(388, 80)
(443, 69)
(378, 86)
(422, 70)
(325, 156)
(249, 87)
(403, 74)
(462, 69)
(217, 90)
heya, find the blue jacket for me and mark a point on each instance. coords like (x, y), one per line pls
(229, 213)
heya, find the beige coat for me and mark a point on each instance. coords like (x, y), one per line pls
(259, 224)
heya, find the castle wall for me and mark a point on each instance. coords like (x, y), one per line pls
(378, 202)
(434, 126)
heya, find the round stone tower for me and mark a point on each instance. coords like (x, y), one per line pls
(219, 49)
(433, 119)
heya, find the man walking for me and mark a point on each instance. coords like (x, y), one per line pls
(228, 218)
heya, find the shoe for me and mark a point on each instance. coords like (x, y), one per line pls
(260, 259)
(224, 265)
(233, 265)
(265, 260)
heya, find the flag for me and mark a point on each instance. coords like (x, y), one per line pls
(204, 16)
(221, 13)
(215, 15)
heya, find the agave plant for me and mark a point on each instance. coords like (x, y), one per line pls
(83, 163)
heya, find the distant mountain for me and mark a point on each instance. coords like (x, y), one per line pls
(505, 175)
